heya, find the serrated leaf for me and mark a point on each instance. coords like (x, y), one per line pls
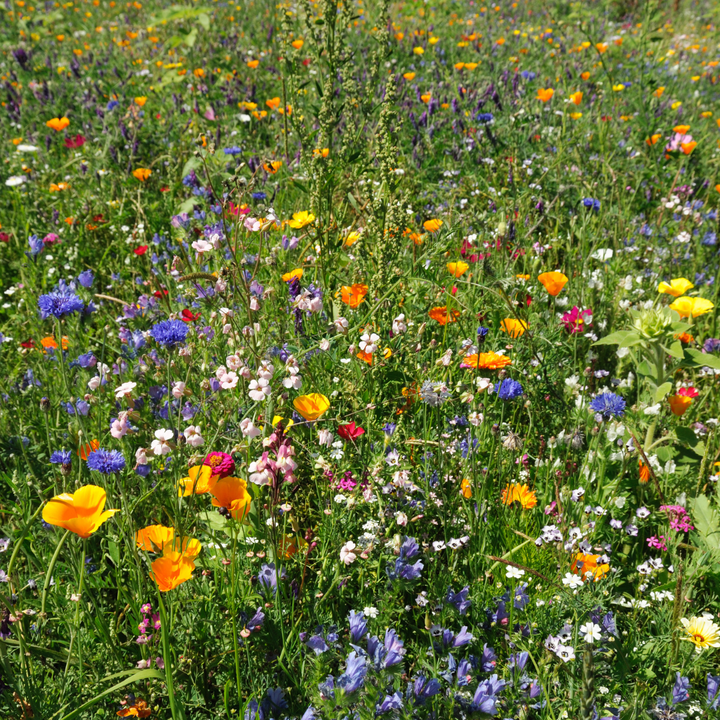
(662, 391)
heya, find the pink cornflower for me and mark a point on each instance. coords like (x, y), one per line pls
(577, 320)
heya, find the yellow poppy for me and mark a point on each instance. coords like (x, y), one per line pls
(200, 480)
(81, 513)
(456, 269)
(312, 406)
(288, 276)
(553, 282)
(301, 219)
(676, 287)
(692, 306)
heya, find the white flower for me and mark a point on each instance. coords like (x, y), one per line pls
(229, 380)
(125, 389)
(565, 653)
(591, 632)
(368, 343)
(193, 436)
(26, 148)
(141, 457)
(178, 390)
(401, 519)
(370, 611)
(15, 180)
(438, 545)
(572, 581)
(248, 428)
(603, 254)
(94, 383)
(513, 572)
(346, 553)
(202, 246)
(653, 409)
(341, 325)
(421, 599)
(399, 326)
(160, 444)
(325, 437)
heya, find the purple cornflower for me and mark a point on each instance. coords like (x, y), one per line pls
(508, 389)
(106, 461)
(61, 457)
(608, 405)
(59, 303)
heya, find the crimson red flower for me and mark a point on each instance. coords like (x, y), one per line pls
(350, 431)
(306, 62)
(188, 316)
(164, 188)
(690, 392)
(141, 250)
(159, 294)
(74, 142)
(30, 343)
(4, 237)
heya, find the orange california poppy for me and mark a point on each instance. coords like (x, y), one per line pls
(49, 342)
(644, 472)
(200, 480)
(679, 404)
(520, 493)
(272, 167)
(652, 140)
(367, 357)
(171, 570)
(432, 225)
(466, 488)
(297, 273)
(681, 129)
(545, 94)
(456, 269)
(138, 709)
(140, 101)
(443, 315)
(688, 147)
(58, 124)
(141, 174)
(81, 512)
(273, 103)
(288, 546)
(154, 538)
(353, 295)
(486, 361)
(576, 97)
(585, 563)
(692, 306)
(232, 494)
(553, 282)
(311, 406)
(514, 328)
(86, 449)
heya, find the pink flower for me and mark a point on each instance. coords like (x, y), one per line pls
(676, 141)
(221, 463)
(690, 392)
(657, 543)
(577, 320)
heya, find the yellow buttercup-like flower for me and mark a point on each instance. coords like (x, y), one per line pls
(456, 269)
(301, 219)
(701, 632)
(676, 287)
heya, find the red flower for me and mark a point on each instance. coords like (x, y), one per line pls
(350, 431)
(306, 62)
(187, 316)
(164, 188)
(141, 250)
(690, 392)
(159, 294)
(4, 237)
(74, 142)
(30, 343)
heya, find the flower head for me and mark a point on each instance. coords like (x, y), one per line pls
(443, 315)
(553, 282)
(586, 563)
(171, 570)
(701, 632)
(353, 295)
(301, 219)
(577, 320)
(608, 405)
(221, 463)
(692, 306)
(106, 462)
(456, 269)
(514, 492)
(432, 225)
(676, 287)
(141, 174)
(58, 124)
(545, 94)
(81, 512)
(514, 328)
(59, 303)
(200, 480)
(312, 406)
(232, 494)
(508, 389)
(169, 332)
(486, 361)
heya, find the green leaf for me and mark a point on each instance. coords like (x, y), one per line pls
(662, 391)
(707, 523)
(702, 359)
(616, 338)
(192, 164)
(204, 20)
(134, 677)
(214, 519)
(675, 350)
(187, 206)
(687, 436)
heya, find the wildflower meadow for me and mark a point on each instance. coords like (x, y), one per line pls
(359, 359)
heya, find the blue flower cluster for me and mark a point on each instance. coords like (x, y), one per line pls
(608, 405)
(404, 569)
(106, 462)
(59, 303)
(169, 332)
(508, 389)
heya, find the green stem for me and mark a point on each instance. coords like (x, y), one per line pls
(76, 622)
(175, 710)
(48, 574)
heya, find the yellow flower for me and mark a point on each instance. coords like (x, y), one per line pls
(352, 238)
(576, 115)
(232, 494)
(200, 480)
(520, 493)
(298, 273)
(514, 328)
(702, 633)
(432, 225)
(692, 306)
(618, 88)
(81, 512)
(142, 174)
(456, 269)
(409, 76)
(418, 50)
(466, 488)
(312, 406)
(301, 219)
(676, 287)
(140, 100)
(58, 124)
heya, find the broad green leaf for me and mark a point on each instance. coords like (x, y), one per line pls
(214, 519)
(204, 20)
(707, 523)
(675, 350)
(702, 359)
(662, 391)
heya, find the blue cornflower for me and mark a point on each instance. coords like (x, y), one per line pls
(112, 105)
(106, 461)
(36, 245)
(59, 303)
(85, 278)
(259, 195)
(61, 457)
(591, 204)
(608, 405)
(485, 118)
(508, 389)
(234, 150)
(169, 332)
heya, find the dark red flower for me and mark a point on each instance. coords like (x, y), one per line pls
(4, 237)
(30, 343)
(164, 188)
(159, 294)
(141, 250)
(74, 142)
(188, 316)
(350, 431)
(306, 62)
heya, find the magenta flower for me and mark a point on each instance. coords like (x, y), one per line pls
(577, 320)
(221, 463)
